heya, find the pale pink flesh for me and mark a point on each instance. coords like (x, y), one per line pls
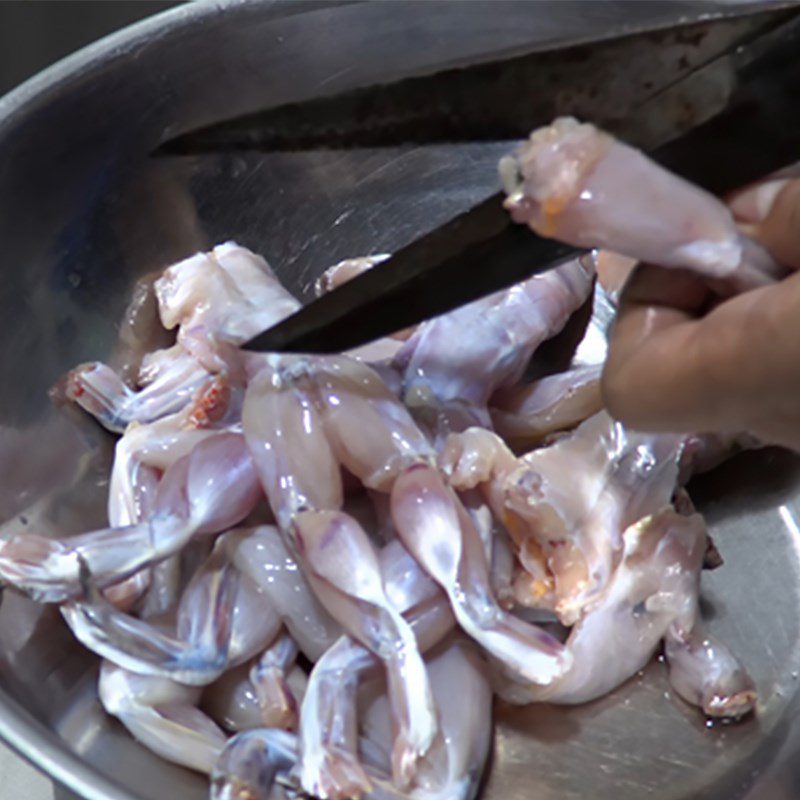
(444, 541)
(370, 431)
(49, 570)
(164, 588)
(162, 715)
(231, 701)
(566, 505)
(229, 293)
(208, 491)
(197, 654)
(457, 361)
(253, 622)
(223, 619)
(345, 271)
(706, 674)
(655, 583)
(125, 594)
(590, 486)
(250, 763)
(149, 582)
(234, 701)
(329, 744)
(575, 183)
(228, 290)
(222, 485)
(140, 454)
(345, 574)
(262, 555)
(291, 452)
(526, 414)
(613, 271)
(455, 764)
(653, 594)
(101, 392)
(416, 596)
(475, 457)
(316, 428)
(328, 765)
(147, 448)
(269, 677)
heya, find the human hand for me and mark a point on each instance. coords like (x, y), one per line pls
(677, 362)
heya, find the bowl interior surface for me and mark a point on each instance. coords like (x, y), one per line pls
(84, 211)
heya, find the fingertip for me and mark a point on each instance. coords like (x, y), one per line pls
(614, 270)
(780, 230)
(752, 204)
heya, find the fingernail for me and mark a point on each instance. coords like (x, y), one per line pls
(753, 205)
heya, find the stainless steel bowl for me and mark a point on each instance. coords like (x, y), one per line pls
(84, 211)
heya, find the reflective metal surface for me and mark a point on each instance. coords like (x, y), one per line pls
(680, 69)
(83, 211)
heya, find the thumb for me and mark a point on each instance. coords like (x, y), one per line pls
(770, 212)
(779, 232)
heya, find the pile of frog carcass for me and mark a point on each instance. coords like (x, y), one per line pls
(313, 560)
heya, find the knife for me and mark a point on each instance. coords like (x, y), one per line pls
(747, 126)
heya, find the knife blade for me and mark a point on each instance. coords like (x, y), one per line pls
(481, 251)
(410, 291)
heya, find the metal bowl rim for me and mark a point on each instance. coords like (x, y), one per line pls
(22, 732)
